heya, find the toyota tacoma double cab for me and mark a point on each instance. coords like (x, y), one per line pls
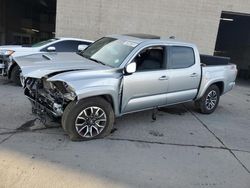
(124, 74)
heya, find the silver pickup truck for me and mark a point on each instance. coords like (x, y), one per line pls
(123, 74)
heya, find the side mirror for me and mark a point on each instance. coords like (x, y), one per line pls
(51, 49)
(130, 68)
(82, 47)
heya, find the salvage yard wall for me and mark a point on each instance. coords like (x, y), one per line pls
(194, 21)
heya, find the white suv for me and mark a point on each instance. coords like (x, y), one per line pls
(9, 68)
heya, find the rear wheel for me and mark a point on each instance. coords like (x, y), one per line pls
(15, 75)
(88, 119)
(209, 101)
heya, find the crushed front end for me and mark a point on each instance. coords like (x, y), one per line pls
(5, 61)
(48, 98)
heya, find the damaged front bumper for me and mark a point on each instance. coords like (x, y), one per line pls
(4, 62)
(39, 108)
(44, 106)
(47, 98)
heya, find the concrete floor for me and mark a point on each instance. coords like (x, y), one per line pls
(182, 148)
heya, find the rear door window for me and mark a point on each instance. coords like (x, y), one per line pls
(181, 57)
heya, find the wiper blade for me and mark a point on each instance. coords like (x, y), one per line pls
(79, 53)
(97, 61)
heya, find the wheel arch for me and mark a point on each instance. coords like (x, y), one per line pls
(14, 64)
(75, 108)
(108, 97)
(220, 85)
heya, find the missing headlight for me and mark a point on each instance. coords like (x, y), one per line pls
(65, 89)
(59, 86)
(70, 96)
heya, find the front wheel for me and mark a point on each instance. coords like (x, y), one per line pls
(88, 119)
(209, 101)
(15, 75)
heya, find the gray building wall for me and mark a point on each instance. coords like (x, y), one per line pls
(194, 21)
(2, 22)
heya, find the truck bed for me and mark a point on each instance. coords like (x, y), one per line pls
(214, 60)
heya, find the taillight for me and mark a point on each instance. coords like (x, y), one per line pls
(233, 67)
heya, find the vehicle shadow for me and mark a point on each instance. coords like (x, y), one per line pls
(6, 81)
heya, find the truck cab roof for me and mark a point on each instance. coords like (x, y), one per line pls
(148, 38)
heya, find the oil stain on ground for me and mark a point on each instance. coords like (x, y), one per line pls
(156, 133)
(27, 125)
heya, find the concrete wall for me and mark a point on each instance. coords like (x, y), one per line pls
(195, 21)
(2, 22)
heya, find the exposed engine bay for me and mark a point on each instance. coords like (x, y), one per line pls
(49, 98)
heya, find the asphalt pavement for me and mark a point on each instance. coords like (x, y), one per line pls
(181, 148)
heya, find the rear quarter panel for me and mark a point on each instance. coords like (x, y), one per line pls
(214, 74)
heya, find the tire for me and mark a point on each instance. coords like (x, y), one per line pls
(94, 116)
(66, 113)
(209, 101)
(15, 75)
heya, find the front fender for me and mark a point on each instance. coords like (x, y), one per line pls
(94, 86)
(104, 90)
(93, 83)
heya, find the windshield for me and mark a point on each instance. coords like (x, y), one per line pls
(39, 44)
(109, 51)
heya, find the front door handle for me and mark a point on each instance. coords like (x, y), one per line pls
(193, 75)
(163, 78)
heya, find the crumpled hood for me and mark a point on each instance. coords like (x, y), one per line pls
(86, 74)
(44, 68)
(46, 57)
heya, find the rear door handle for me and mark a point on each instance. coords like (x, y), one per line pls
(193, 75)
(163, 78)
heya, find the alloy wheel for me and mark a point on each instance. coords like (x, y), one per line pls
(90, 122)
(211, 100)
